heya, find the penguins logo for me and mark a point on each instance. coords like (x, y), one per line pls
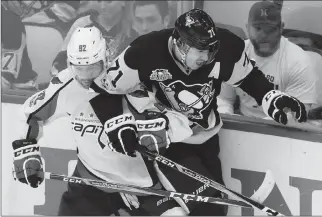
(191, 100)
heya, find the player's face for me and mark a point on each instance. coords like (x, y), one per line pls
(147, 18)
(196, 58)
(110, 9)
(85, 74)
(265, 38)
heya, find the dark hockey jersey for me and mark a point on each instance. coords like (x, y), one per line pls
(149, 60)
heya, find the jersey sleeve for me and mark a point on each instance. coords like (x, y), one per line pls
(246, 75)
(123, 76)
(42, 107)
(301, 81)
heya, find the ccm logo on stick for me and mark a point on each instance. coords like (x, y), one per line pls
(165, 161)
(72, 180)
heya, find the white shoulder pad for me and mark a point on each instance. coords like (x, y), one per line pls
(39, 99)
(119, 78)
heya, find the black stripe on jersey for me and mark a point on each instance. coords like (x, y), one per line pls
(226, 70)
(97, 89)
(43, 106)
(256, 85)
(107, 106)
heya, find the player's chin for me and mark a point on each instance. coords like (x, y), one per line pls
(196, 66)
(86, 83)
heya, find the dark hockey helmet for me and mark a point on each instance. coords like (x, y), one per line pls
(196, 28)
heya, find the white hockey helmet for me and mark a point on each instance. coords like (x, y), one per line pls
(86, 46)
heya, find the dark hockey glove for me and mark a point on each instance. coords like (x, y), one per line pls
(27, 162)
(275, 103)
(121, 134)
(152, 132)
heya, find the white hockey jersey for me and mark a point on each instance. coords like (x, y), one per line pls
(65, 97)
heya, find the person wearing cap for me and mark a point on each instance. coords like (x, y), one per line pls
(284, 64)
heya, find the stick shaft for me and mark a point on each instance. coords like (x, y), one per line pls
(207, 181)
(142, 190)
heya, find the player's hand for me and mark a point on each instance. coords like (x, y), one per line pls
(27, 162)
(152, 132)
(275, 103)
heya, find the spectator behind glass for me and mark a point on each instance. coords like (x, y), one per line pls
(111, 17)
(150, 16)
(285, 64)
(16, 68)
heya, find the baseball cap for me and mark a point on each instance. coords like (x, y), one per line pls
(265, 12)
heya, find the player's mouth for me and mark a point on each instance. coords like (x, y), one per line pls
(200, 63)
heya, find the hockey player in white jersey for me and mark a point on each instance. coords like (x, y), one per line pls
(102, 125)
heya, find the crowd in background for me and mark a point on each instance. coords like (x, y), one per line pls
(121, 22)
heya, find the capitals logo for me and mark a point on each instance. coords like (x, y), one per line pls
(190, 100)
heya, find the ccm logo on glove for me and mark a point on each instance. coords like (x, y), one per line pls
(27, 162)
(23, 151)
(153, 134)
(154, 125)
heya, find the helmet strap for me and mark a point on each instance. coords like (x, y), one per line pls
(183, 50)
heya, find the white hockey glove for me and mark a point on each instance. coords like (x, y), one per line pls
(27, 162)
(276, 102)
(152, 132)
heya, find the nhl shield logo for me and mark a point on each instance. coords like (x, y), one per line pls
(160, 75)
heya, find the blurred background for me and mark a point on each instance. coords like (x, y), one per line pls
(32, 52)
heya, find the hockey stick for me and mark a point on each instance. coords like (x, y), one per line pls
(141, 190)
(207, 181)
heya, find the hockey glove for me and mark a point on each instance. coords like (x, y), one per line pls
(152, 132)
(27, 162)
(276, 102)
(121, 134)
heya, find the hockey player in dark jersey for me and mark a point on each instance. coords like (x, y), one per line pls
(103, 127)
(184, 67)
